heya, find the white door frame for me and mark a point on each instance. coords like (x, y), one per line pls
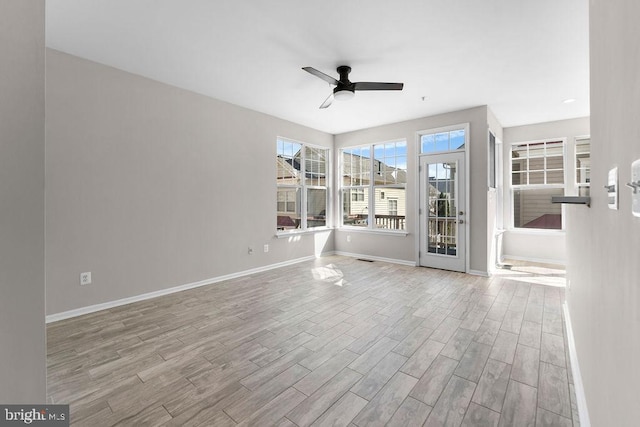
(467, 197)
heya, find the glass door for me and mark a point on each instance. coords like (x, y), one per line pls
(442, 211)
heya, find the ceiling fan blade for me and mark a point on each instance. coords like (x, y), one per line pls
(377, 86)
(321, 75)
(327, 101)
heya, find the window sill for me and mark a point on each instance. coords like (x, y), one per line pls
(537, 231)
(287, 234)
(399, 233)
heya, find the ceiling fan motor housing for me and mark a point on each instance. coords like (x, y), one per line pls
(345, 90)
(344, 71)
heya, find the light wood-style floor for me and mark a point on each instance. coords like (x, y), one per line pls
(335, 341)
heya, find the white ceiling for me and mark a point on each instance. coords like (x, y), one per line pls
(522, 58)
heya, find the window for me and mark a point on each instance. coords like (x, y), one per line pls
(537, 174)
(373, 184)
(452, 140)
(583, 165)
(287, 200)
(302, 185)
(357, 195)
(392, 206)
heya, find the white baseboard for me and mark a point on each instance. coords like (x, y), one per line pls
(111, 304)
(575, 370)
(376, 258)
(396, 261)
(478, 273)
(531, 259)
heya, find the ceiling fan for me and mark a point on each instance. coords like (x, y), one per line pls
(344, 88)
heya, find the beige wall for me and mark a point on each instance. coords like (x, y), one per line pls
(604, 244)
(404, 247)
(22, 294)
(150, 186)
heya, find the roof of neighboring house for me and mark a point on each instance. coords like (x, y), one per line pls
(384, 174)
(285, 221)
(291, 166)
(546, 221)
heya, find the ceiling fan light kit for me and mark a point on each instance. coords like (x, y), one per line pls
(343, 94)
(344, 88)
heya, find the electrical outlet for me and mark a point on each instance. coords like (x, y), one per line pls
(85, 278)
(266, 248)
(348, 239)
(250, 250)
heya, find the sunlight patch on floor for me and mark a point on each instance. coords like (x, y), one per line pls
(529, 272)
(329, 273)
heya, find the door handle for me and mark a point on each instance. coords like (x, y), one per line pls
(460, 221)
(460, 213)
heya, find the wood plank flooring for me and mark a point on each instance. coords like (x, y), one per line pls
(330, 342)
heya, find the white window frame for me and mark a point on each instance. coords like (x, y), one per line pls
(512, 188)
(444, 129)
(578, 140)
(370, 190)
(499, 184)
(303, 187)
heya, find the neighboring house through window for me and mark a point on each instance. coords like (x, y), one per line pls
(373, 186)
(302, 185)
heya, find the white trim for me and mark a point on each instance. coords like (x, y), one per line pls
(376, 258)
(478, 273)
(382, 231)
(500, 203)
(111, 304)
(467, 196)
(441, 129)
(537, 231)
(533, 259)
(417, 190)
(581, 398)
(299, 232)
